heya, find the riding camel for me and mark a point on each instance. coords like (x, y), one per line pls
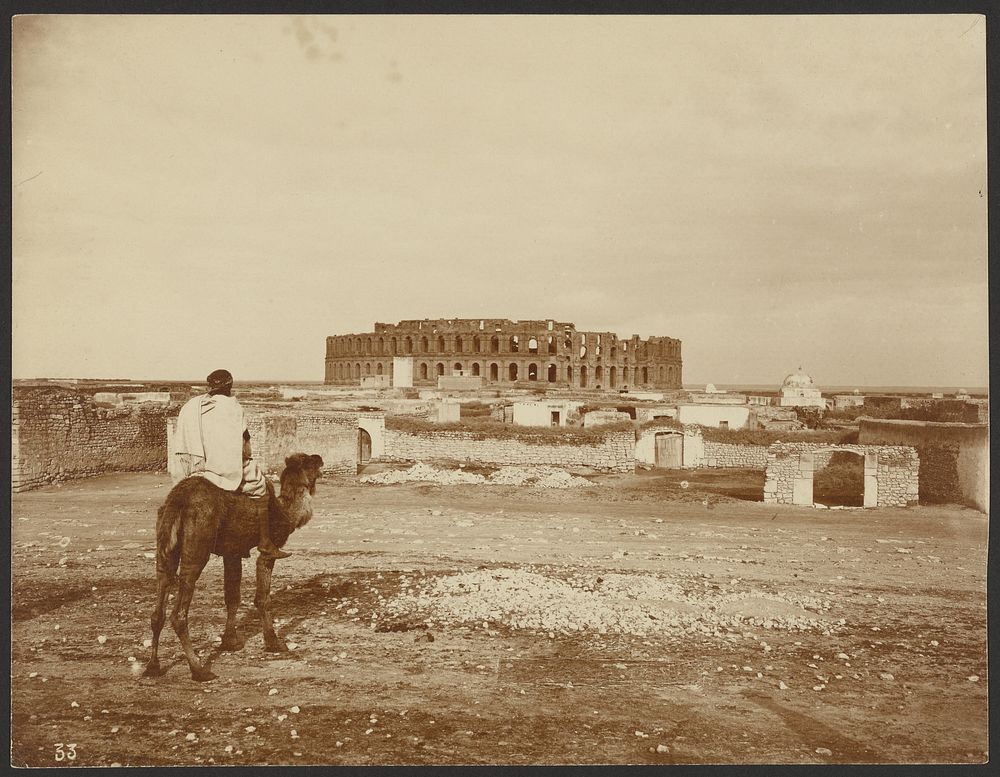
(198, 519)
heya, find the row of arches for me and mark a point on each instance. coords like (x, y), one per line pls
(495, 372)
(551, 344)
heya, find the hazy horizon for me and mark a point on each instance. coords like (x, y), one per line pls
(687, 386)
(195, 192)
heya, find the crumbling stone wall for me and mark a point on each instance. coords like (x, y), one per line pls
(954, 457)
(891, 473)
(274, 434)
(720, 454)
(61, 434)
(614, 453)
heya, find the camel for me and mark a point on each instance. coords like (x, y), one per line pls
(198, 519)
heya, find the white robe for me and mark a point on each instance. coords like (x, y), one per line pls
(209, 442)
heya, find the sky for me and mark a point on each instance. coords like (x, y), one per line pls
(196, 192)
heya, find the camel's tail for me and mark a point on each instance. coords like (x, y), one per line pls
(168, 539)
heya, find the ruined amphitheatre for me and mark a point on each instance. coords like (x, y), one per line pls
(503, 568)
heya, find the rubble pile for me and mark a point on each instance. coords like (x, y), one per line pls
(425, 473)
(539, 477)
(536, 477)
(611, 604)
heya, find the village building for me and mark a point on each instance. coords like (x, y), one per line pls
(719, 416)
(847, 401)
(798, 390)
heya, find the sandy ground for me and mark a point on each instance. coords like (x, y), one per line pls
(652, 625)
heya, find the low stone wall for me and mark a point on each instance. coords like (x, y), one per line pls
(891, 473)
(614, 453)
(720, 454)
(59, 435)
(274, 434)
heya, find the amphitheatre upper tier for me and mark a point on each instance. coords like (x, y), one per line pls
(507, 352)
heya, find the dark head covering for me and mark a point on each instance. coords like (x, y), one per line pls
(219, 381)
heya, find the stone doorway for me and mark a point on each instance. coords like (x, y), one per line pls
(839, 479)
(364, 447)
(669, 450)
(803, 484)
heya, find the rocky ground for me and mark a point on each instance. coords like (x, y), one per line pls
(649, 619)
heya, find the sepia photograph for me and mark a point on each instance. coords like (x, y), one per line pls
(499, 389)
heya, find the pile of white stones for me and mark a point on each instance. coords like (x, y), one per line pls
(425, 473)
(536, 477)
(612, 604)
(539, 477)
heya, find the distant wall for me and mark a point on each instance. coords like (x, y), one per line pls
(968, 445)
(59, 435)
(614, 453)
(720, 454)
(604, 417)
(275, 434)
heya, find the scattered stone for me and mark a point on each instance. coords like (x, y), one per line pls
(102, 639)
(974, 678)
(886, 676)
(662, 749)
(823, 751)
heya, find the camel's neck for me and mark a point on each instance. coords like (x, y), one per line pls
(296, 506)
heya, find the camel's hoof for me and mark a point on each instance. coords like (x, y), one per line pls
(153, 669)
(230, 642)
(202, 675)
(275, 645)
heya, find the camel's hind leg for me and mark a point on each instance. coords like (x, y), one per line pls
(234, 575)
(164, 582)
(168, 556)
(192, 562)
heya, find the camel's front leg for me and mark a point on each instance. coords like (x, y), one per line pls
(272, 644)
(233, 577)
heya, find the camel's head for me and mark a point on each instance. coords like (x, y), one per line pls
(301, 470)
(298, 484)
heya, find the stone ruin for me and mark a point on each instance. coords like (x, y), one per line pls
(891, 472)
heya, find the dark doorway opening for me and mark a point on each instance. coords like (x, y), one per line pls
(841, 481)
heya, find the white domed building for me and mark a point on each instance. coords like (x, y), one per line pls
(798, 390)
